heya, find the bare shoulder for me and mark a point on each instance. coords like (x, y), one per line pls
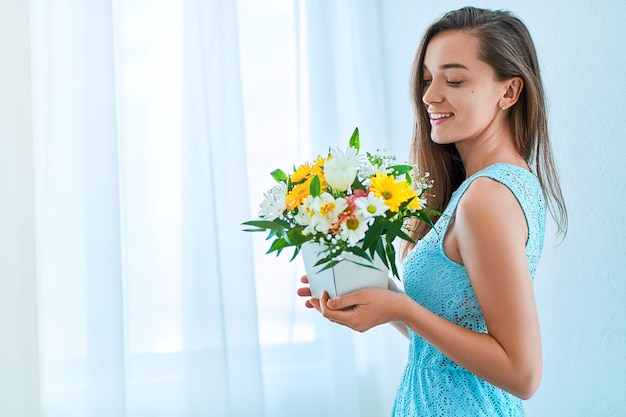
(489, 206)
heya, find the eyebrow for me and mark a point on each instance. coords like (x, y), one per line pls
(449, 66)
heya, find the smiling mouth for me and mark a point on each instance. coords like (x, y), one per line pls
(436, 118)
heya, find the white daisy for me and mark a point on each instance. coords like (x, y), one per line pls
(273, 205)
(371, 206)
(353, 229)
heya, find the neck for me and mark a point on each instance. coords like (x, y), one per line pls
(496, 148)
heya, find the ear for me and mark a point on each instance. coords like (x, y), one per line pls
(512, 89)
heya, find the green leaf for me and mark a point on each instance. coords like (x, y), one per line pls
(328, 265)
(315, 188)
(265, 224)
(355, 142)
(357, 185)
(404, 205)
(327, 258)
(393, 231)
(295, 253)
(279, 175)
(424, 216)
(296, 237)
(401, 169)
(253, 230)
(380, 250)
(278, 245)
(391, 254)
(360, 253)
(373, 233)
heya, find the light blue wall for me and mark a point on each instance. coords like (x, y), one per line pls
(581, 282)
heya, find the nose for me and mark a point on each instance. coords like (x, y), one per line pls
(431, 94)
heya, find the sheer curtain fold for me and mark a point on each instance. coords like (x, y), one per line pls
(146, 293)
(217, 274)
(346, 73)
(347, 85)
(103, 250)
(78, 222)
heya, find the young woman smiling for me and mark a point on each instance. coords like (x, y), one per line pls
(468, 304)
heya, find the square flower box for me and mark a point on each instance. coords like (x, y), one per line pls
(344, 277)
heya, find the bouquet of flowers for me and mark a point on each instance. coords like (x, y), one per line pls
(348, 202)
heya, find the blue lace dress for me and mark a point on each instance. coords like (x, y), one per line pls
(432, 384)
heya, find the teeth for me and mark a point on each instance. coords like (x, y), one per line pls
(439, 115)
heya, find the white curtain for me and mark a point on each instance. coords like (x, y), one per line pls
(77, 195)
(155, 125)
(330, 78)
(146, 294)
(219, 295)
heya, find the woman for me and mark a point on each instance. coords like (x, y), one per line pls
(468, 306)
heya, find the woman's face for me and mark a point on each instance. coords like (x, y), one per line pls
(461, 93)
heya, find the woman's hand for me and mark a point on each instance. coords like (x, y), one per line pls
(360, 310)
(305, 291)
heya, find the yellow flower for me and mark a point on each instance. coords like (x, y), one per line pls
(305, 172)
(319, 162)
(301, 173)
(416, 203)
(394, 193)
(297, 195)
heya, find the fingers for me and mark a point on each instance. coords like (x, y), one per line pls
(304, 292)
(323, 306)
(315, 302)
(327, 305)
(343, 302)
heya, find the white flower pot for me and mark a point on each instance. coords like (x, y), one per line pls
(344, 277)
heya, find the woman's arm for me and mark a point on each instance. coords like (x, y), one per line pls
(490, 232)
(392, 286)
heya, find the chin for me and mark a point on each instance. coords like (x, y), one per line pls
(440, 141)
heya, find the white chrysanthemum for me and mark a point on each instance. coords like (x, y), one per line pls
(371, 206)
(353, 229)
(326, 210)
(273, 205)
(366, 169)
(381, 161)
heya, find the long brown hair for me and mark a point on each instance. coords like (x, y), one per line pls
(506, 45)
